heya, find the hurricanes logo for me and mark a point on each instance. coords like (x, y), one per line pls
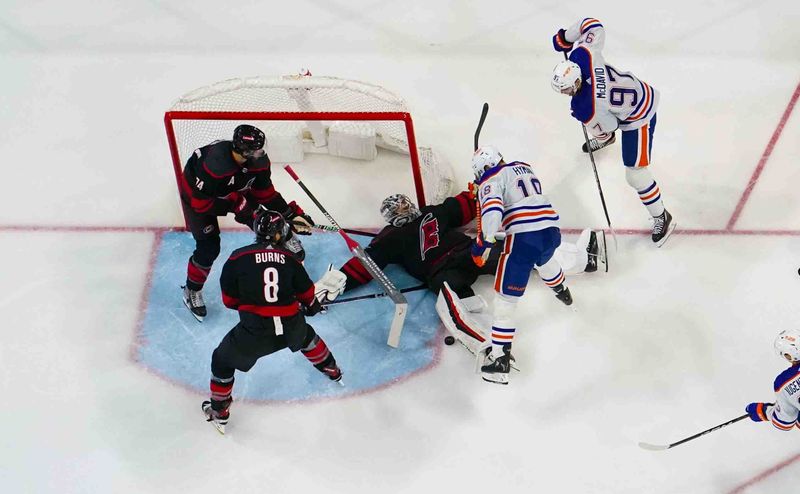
(428, 234)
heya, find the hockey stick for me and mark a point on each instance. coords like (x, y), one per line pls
(658, 447)
(400, 303)
(375, 295)
(329, 228)
(597, 179)
(484, 112)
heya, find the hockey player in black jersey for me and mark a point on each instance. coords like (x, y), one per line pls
(273, 294)
(227, 177)
(425, 243)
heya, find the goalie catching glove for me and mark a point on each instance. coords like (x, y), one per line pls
(330, 286)
(300, 222)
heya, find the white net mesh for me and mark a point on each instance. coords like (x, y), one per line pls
(304, 94)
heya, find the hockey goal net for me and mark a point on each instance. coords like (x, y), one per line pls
(305, 116)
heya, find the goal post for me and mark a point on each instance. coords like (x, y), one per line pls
(305, 115)
(308, 115)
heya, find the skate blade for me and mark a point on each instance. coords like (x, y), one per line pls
(670, 229)
(199, 318)
(496, 378)
(220, 427)
(602, 249)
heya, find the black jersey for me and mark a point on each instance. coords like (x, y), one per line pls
(264, 280)
(421, 246)
(211, 177)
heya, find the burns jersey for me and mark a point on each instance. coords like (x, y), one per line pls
(511, 196)
(266, 281)
(421, 246)
(609, 98)
(211, 180)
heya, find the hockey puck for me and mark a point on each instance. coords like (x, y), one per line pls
(449, 340)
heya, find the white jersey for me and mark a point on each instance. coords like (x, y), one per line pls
(785, 412)
(511, 197)
(609, 98)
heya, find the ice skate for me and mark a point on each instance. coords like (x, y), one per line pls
(217, 418)
(598, 143)
(662, 228)
(563, 294)
(597, 251)
(495, 370)
(334, 373)
(194, 302)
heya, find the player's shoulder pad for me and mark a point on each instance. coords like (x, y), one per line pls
(218, 162)
(786, 376)
(387, 231)
(247, 249)
(583, 102)
(518, 163)
(491, 173)
(589, 23)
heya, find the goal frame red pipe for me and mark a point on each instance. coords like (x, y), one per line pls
(405, 117)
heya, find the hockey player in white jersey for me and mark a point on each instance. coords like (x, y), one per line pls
(605, 99)
(511, 198)
(784, 413)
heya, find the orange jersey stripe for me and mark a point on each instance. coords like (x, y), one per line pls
(587, 22)
(646, 106)
(501, 264)
(528, 214)
(644, 138)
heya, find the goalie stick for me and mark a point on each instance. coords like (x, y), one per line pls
(659, 447)
(375, 295)
(329, 228)
(400, 302)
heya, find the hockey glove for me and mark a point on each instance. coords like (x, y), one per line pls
(300, 222)
(480, 250)
(313, 309)
(560, 42)
(330, 286)
(758, 411)
(243, 211)
(472, 187)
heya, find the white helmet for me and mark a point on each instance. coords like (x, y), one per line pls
(788, 343)
(485, 156)
(565, 77)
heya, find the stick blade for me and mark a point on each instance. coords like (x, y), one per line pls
(653, 447)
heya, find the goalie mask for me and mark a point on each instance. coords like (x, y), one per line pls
(249, 141)
(787, 345)
(398, 210)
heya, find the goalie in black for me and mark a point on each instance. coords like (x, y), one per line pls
(428, 244)
(272, 292)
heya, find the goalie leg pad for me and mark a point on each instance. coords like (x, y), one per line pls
(457, 319)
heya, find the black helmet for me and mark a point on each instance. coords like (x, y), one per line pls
(249, 141)
(270, 227)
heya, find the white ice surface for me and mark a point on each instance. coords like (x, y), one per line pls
(672, 341)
